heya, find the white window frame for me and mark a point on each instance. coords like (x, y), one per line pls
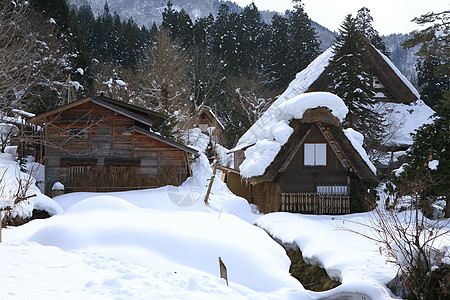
(315, 154)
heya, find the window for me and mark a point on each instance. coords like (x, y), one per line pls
(332, 189)
(315, 154)
(79, 133)
(203, 127)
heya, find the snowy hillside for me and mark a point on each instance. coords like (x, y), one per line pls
(405, 60)
(146, 12)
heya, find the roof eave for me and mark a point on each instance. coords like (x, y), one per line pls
(164, 139)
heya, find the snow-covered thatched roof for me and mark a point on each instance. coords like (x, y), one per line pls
(404, 116)
(265, 139)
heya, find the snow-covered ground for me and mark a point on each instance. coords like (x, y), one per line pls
(165, 243)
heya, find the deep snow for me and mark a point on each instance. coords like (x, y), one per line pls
(164, 244)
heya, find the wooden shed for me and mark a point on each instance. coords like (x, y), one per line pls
(317, 171)
(102, 144)
(207, 120)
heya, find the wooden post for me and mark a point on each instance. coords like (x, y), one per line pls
(223, 270)
(188, 164)
(211, 182)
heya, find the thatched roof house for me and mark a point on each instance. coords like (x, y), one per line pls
(399, 101)
(302, 161)
(102, 144)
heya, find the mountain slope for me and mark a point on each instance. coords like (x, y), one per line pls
(145, 12)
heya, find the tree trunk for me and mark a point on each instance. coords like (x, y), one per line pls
(447, 206)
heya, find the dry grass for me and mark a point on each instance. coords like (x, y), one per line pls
(116, 178)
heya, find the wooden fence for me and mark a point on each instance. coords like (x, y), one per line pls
(315, 203)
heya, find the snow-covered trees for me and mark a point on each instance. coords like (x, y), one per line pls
(432, 83)
(434, 56)
(351, 79)
(303, 40)
(429, 159)
(292, 45)
(16, 55)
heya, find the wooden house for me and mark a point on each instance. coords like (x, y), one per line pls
(102, 144)
(318, 170)
(209, 124)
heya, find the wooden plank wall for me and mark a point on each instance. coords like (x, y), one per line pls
(300, 178)
(104, 134)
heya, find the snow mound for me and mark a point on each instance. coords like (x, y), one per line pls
(272, 130)
(45, 203)
(11, 174)
(195, 139)
(179, 241)
(103, 202)
(51, 273)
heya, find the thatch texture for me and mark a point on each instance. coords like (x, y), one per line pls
(267, 196)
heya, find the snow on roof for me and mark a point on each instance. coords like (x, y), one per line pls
(298, 86)
(399, 74)
(304, 79)
(272, 130)
(357, 140)
(403, 119)
(285, 108)
(23, 113)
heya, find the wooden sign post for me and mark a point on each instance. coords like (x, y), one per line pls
(223, 270)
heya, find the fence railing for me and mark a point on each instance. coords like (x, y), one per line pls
(315, 203)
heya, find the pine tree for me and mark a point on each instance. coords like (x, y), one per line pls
(225, 40)
(364, 24)
(431, 144)
(275, 63)
(303, 40)
(431, 141)
(302, 44)
(202, 38)
(179, 25)
(250, 39)
(431, 85)
(351, 80)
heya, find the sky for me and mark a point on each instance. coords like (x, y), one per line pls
(390, 16)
